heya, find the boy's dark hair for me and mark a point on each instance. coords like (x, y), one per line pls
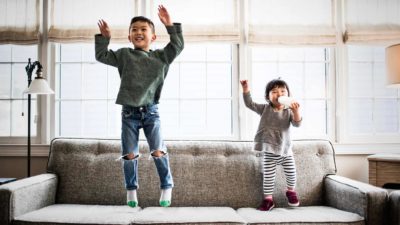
(274, 84)
(142, 19)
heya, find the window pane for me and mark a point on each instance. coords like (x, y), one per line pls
(261, 74)
(88, 53)
(85, 106)
(170, 118)
(218, 80)
(360, 123)
(315, 122)
(94, 81)
(5, 53)
(195, 85)
(219, 53)
(380, 89)
(193, 116)
(5, 84)
(193, 52)
(5, 118)
(19, 123)
(293, 74)
(219, 118)
(315, 54)
(113, 82)
(291, 54)
(94, 118)
(193, 80)
(171, 83)
(21, 53)
(19, 80)
(315, 85)
(71, 53)
(360, 54)
(13, 81)
(71, 81)
(114, 119)
(373, 109)
(386, 116)
(360, 79)
(70, 119)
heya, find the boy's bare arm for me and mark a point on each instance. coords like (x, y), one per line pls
(164, 16)
(104, 29)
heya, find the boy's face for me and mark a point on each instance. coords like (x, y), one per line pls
(141, 35)
(275, 93)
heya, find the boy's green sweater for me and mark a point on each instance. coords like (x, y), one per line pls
(142, 73)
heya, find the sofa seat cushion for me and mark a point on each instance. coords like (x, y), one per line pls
(300, 215)
(79, 214)
(188, 215)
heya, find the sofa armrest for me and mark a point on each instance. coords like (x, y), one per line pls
(26, 195)
(394, 208)
(357, 197)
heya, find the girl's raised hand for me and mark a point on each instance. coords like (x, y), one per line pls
(245, 86)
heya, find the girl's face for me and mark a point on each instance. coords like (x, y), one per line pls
(275, 93)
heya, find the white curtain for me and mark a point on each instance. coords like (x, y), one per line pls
(19, 21)
(372, 21)
(205, 20)
(292, 22)
(76, 20)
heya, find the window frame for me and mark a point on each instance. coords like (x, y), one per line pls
(36, 102)
(345, 137)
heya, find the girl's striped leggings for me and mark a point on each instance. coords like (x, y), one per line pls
(270, 161)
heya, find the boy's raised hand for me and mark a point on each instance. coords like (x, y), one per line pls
(104, 29)
(164, 16)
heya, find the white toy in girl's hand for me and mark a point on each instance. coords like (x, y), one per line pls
(285, 100)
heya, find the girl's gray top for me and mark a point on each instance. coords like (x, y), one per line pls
(273, 133)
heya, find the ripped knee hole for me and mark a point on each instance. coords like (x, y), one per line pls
(158, 153)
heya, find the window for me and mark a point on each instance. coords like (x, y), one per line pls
(85, 93)
(372, 108)
(196, 98)
(14, 80)
(306, 70)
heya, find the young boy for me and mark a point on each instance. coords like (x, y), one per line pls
(142, 72)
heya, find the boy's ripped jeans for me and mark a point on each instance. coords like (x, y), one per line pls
(134, 118)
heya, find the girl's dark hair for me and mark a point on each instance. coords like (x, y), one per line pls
(274, 84)
(142, 19)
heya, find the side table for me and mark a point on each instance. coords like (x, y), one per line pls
(384, 169)
(6, 180)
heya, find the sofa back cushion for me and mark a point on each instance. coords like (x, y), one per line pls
(206, 173)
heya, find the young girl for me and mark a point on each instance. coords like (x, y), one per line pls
(273, 138)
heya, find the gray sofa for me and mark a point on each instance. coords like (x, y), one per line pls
(216, 182)
(394, 207)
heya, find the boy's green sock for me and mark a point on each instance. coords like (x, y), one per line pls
(132, 198)
(165, 199)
